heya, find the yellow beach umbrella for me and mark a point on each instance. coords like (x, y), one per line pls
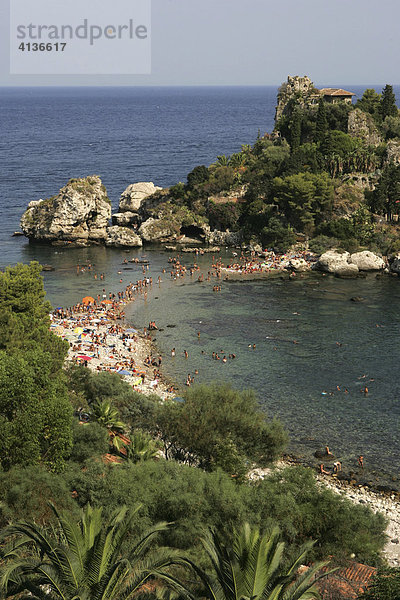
(78, 330)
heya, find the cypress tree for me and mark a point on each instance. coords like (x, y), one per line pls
(295, 130)
(388, 106)
(321, 123)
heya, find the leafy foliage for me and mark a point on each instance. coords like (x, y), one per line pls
(90, 440)
(142, 447)
(304, 199)
(35, 413)
(292, 499)
(195, 430)
(388, 106)
(223, 216)
(27, 491)
(371, 103)
(251, 567)
(82, 559)
(385, 198)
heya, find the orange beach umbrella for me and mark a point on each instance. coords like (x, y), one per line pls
(87, 300)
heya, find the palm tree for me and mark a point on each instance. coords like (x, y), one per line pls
(81, 560)
(251, 569)
(141, 448)
(107, 415)
(222, 160)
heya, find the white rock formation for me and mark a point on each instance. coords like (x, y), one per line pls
(132, 198)
(80, 212)
(367, 261)
(122, 237)
(337, 263)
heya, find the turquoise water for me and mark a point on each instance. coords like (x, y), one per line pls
(289, 377)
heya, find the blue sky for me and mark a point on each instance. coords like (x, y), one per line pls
(254, 42)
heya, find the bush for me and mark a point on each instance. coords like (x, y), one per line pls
(190, 498)
(341, 229)
(198, 429)
(304, 511)
(223, 216)
(27, 491)
(322, 243)
(90, 440)
(384, 585)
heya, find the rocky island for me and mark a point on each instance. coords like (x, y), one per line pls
(325, 181)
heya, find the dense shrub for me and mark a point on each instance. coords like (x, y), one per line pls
(217, 420)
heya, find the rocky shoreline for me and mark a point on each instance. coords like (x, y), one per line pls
(80, 215)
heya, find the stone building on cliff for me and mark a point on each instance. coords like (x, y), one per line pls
(303, 90)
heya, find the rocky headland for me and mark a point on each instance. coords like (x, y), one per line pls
(80, 215)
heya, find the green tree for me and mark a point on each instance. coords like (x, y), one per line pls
(199, 175)
(322, 122)
(371, 103)
(82, 559)
(391, 127)
(35, 413)
(252, 567)
(388, 106)
(194, 430)
(305, 199)
(24, 315)
(223, 216)
(277, 235)
(295, 130)
(385, 198)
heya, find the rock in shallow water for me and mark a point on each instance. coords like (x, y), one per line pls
(337, 263)
(79, 212)
(367, 261)
(122, 237)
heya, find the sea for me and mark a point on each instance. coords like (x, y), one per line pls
(315, 348)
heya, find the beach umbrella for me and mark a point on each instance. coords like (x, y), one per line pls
(87, 300)
(59, 329)
(106, 302)
(123, 372)
(78, 330)
(137, 381)
(85, 357)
